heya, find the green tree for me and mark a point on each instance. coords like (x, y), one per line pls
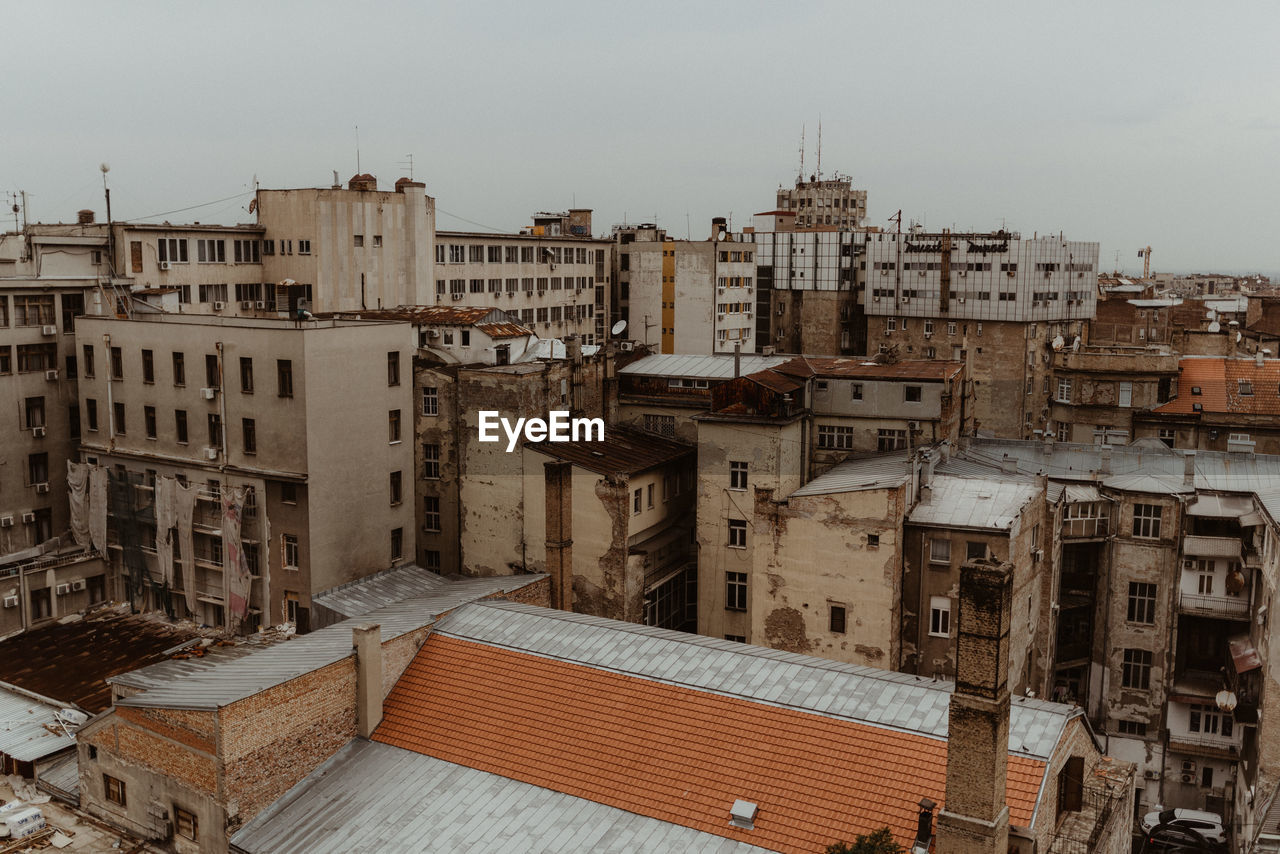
(878, 842)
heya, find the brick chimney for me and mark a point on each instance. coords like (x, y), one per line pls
(368, 645)
(975, 819)
(84, 217)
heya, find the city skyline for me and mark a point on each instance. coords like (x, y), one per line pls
(1119, 128)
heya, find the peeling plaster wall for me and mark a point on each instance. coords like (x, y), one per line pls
(813, 553)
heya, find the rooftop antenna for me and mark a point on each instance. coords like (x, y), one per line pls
(105, 190)
(358, 172)
(801, 177)
(409, 162)
(819, 146)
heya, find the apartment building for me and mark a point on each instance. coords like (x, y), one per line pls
(1220, 404)
(686, 296)
(553, 277)
(45, 583)
(196, 420)
(1000, 297)
(49, 276)
(824, 203)
(808, 286)
(201, 268)
(1098, 391)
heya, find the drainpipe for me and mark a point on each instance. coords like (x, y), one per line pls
(111, 409)
(222, 408)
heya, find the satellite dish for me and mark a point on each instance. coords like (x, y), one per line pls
(1226, 701)
(618, 327)
(104, 167)
(1238, 337)
(1215, 327)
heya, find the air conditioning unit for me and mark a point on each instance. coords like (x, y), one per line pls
(1188, 564)
(1188, 766)
(62, 589)
(913, 426)
(11, 601)
(6, 521)
(884, 272)
(1037, 555)
(78, 585)
(28, 518)
(209, 393)
(1047, 274)
(42, 489)
(245, 305)
(1151, 775)
(164, 265)
(1190, 779)
(51, 376)
(210, 453)
(720, 290)
(719, 317)
(37, 432)
(219, 306)
(260, 304)
(922, 272)
(782, 309)
(626, 346)
(433, 333)
(963, 273)
(928, 335)
(457, 296)
(49, 329)
(961, 300)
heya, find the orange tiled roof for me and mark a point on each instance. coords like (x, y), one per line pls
(669, 752)
(1219, 382)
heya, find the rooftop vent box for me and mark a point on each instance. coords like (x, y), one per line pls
(743, 814)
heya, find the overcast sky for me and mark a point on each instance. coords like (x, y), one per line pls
(1122, 123)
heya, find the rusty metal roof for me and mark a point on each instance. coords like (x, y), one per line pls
(421, 315)
(503, 330)
(775, 381)
(623, 451)
(911, 369)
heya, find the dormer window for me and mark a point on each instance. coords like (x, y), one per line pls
(1246, 387)
(1195, 389)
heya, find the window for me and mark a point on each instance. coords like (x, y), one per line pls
(34, 407)
(179, 370)
(1146, 521)
(397, 493)
(431, 461)
(1142, 603)
(1131, 728)
(637, 499)
(1167, 435)
(212, 378)
(288, 493)
(37, 468)
(284, 377)
(736, 638)
(180, 424)
(117, 364)
(113, 788)
(250, 435)
(939, 550)
(246, 374)
(939, 617)
(1064, 390)
(431, 513)
(891, 440)
(88, 361)
(358, 240)
(660, 425)
(289, 546)
(33, 310)
(432, 561)
(1210, 720)
(34, 358)
(148, 367)
(397, 543)
(393, 368)
(393, 425)
(171, 250)
(855, 391)
(735, 591)
(1126, 394)
(117, 412)
(649, 496)
(211, 251)
(246, 252)
(215, 430)
(430, 401)
(835, 438)
(1136, 669)
(149, 420)
(184, 823)
(836, 619)
(873, 541)
(91, 413)
(974, 549)
(737, 475)
(737, 533)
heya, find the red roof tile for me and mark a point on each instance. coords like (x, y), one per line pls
(672, 753)
(1219, 381)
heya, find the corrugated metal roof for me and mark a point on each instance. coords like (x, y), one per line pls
(699, 367)
(879, 472)
(961, 502)
(224, 680)
(372, 797)
(880, 697)
(624, 451)
(28, 728)
(381, 589)
(907, 369)
(62, 776)
(503, 330)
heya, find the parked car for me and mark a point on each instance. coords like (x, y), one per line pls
(1171, 839)
(1206, 824)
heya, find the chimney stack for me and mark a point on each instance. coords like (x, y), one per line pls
(1257, 357)
(84, 217)
(368, 644)
(719, 224)
(737, 359)
(1189, 468)
(976, 817)
(1008, 464)
(924, 825)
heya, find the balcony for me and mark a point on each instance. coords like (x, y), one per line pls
(1229, 607)
(1228, 547)
(1085, 528)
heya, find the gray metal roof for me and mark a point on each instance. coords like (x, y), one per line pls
(699, 367)
(383, 588)
(963, 502)
(883, 698)
(878, 472)
(371, 797)
(25, 724)
(199, 684)
(62, 775)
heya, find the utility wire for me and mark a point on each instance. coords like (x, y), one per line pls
(191, 208)
(473, 222)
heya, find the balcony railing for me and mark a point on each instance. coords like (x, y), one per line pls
(1235, 607)
(1204, 740)
(1075, 528)
(1196, 546)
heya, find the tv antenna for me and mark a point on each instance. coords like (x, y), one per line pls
(358, 172)
(407, 163)
(802, 152)
(819, 147)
